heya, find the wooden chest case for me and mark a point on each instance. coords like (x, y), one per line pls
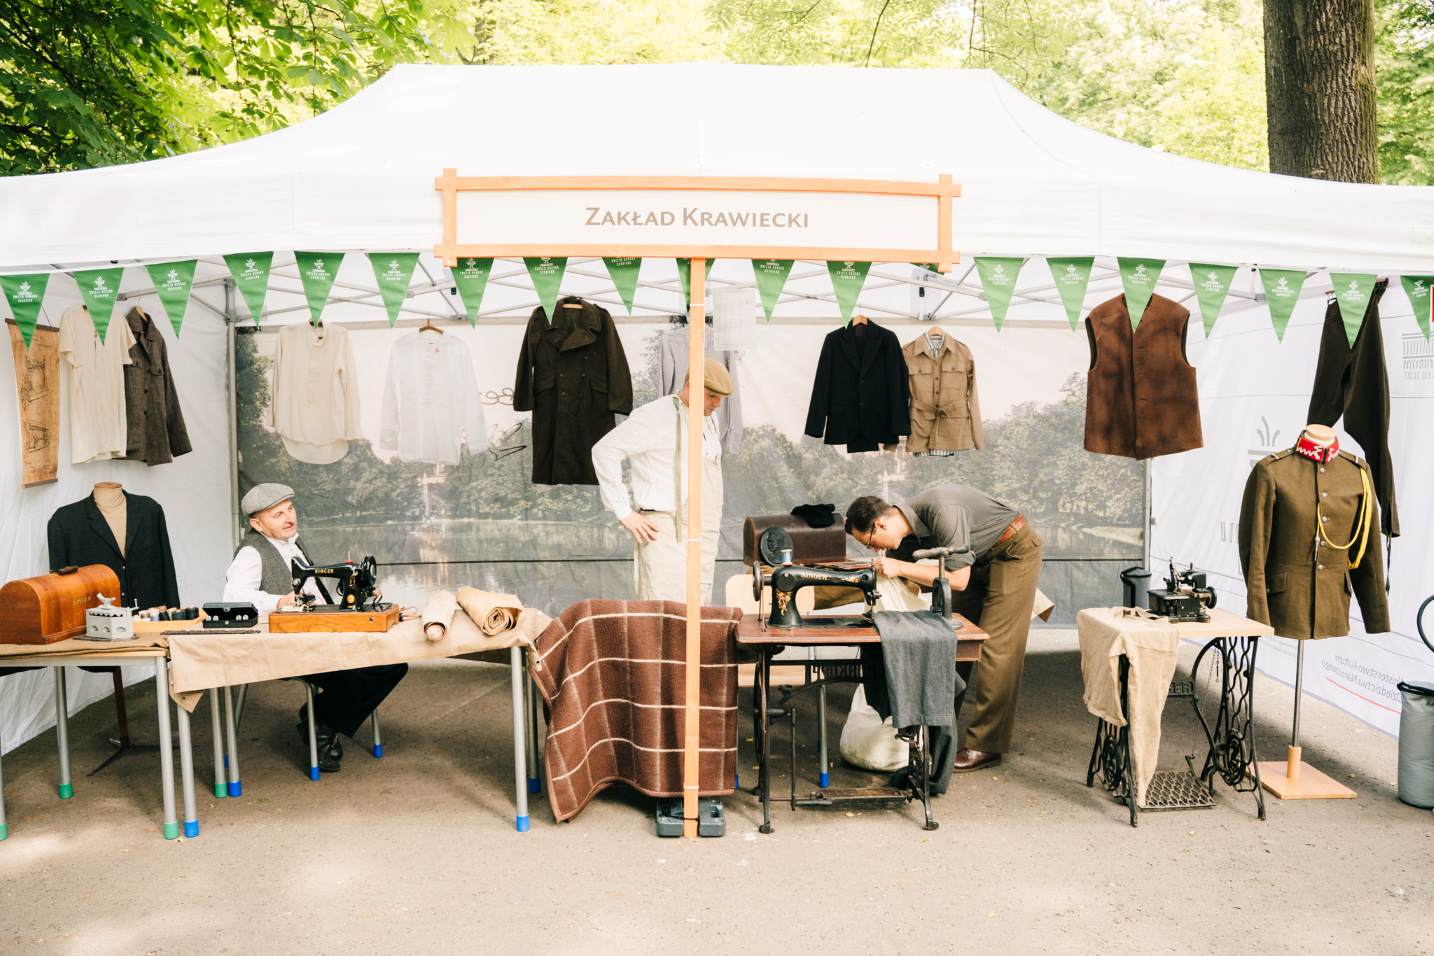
(809, 545)
(51, 607)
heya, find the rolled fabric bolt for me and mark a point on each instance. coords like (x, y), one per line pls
(493, 613)
(438, 615)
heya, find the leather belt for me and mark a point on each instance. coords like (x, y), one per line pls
(1010, 532)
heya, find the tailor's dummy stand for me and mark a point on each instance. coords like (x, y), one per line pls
(1291, 778)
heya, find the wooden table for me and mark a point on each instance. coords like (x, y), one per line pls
(825, 630)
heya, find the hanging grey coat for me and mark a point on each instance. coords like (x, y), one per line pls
(156, 432)
(573, 377)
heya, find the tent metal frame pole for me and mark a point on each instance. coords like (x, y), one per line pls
(230, 317)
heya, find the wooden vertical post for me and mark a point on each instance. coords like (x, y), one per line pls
(696, 398)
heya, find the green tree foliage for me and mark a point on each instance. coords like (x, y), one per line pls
(1404, 66)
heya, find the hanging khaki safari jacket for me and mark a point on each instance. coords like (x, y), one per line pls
(945, 409)
(1299, 583)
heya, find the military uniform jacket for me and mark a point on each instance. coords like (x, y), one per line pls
(573, 377)
(945, 409)
(1298, 583)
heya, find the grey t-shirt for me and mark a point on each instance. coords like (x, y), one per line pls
(953, 516)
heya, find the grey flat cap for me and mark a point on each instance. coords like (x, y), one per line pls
(265, 496)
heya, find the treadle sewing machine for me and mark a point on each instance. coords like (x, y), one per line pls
(773, 569)
(359, 607)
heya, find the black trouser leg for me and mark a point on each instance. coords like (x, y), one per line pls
(350, 696)
(943, 745)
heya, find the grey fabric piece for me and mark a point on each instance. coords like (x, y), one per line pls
(954, 516)
(672, 369)
(276, 578)
(918, 650)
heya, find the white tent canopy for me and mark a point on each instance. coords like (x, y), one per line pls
(361, 175)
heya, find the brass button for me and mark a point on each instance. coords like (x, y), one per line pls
(1321, 469)
(1324, 517)
(1324, 494)
(1320, 567)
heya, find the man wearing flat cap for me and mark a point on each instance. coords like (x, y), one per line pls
(653, 441)
(260, 574)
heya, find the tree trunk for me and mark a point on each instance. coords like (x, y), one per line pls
(1319, 89)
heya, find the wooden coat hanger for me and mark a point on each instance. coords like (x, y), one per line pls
(428, 326)
(859, 319)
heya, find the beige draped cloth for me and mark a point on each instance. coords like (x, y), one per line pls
(1152, 646)
(493, 613)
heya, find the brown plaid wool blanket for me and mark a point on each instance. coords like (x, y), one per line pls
(612, 675)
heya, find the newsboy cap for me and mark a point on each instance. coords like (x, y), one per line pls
(715, 378)
(265, 496)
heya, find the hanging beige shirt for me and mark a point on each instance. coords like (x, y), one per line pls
(315, 407)
(945, 409)
(98, 427)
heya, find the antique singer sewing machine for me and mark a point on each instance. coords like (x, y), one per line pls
(359, 606)
(785, 579)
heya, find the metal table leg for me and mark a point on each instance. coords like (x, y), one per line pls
(519, 676)
(166, 747)
(62, 733)
(4, 827)
(186, 774)
(764, 782)
(1232, 755)
(1111, 752)
(531, 734)
(377, 740)
(313, 731)
(235, 787)
(221, 790)
(823, 763)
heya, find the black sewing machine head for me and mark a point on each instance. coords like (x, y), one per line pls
(1184, 597)
(357, 584)
(786, 579)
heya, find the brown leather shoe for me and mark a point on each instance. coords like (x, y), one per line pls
(969, 760)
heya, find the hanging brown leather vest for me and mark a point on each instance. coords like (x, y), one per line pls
(1141, 396)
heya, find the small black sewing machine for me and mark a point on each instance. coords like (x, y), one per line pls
(786, 579)
(1184, 597)
(357, 585)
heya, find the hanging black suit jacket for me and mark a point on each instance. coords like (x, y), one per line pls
(861, 397)
(79, 535)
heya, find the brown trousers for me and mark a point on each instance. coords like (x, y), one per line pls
(999, 599)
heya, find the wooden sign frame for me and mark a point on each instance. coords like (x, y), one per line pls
(450, 250)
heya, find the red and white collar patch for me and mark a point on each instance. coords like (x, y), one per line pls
(1316, 452)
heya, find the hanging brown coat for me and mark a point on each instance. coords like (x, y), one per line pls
(156, 432)
(573, 377)
(945, 408)
(1141, 399)
(1297, 582)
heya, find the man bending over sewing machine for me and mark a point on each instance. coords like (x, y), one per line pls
(260, 574)
(997, 560)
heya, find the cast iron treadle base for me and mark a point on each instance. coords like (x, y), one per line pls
(1177, 790)
(1182, 688)
(831, 796)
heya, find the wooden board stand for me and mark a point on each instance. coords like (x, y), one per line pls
(332, 622)
(1292, 779)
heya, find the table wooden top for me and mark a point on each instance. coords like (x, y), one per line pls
(813, 633)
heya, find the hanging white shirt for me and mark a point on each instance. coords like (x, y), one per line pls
(315, 406)
(648, 441)
(431, 402)
(243, 581)
(98, 426)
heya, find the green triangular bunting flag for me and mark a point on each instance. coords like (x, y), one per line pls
(547, 276)
(847, 280)
(1352, 290)
(1212, 285)
(623, 271)
(25, 294)
(317, 272)
(684, 273)
(1072, 276)
(1417, 288)
(393, 271)
(1138, 277)
(471, 278)
(998, 280)
(99, 287)
(1282, 291)
(771, 278)
(251, 274)
(172, 282)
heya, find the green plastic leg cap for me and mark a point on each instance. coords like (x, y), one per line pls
(221, 791)
(4, 831)
(171, 831)
(67, 790)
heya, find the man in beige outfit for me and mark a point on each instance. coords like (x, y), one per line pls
(652, 440)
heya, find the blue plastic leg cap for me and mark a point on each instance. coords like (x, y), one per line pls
(377, 751)
(534, 785)
(313, 773)
(191, 829)
(523, 824)
(236, 789)
(824, 779)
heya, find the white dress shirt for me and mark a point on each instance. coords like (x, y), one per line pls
(431, 401)
(98, 426)
(315, 400)
(246, 572)
(647, 440)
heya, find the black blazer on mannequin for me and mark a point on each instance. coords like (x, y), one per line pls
(861, 397)
(79, 535)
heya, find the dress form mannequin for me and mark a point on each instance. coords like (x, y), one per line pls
(1292, 779)
(110, 499)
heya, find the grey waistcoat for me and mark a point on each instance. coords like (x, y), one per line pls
(276, 577)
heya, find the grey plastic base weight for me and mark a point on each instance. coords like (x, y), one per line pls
(711, 821)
